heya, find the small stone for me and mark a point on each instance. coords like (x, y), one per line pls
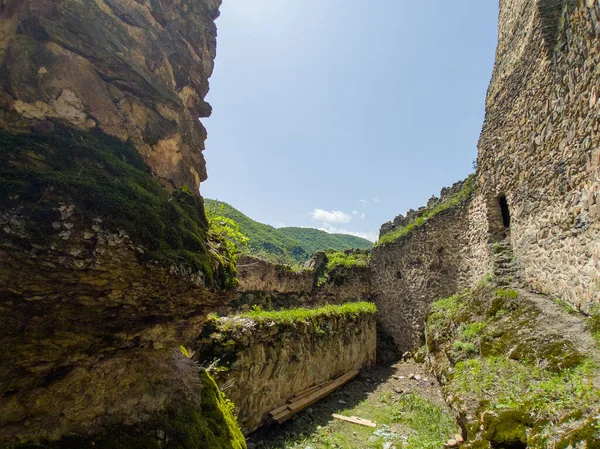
(341, 401)
(56, 225)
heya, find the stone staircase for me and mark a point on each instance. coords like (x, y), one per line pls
(505, 269)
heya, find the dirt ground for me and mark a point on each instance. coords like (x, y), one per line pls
(403, 399)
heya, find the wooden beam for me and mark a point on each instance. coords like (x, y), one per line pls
(355, 420)
(309, 396)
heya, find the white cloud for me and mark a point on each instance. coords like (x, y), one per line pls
(376, 200)
(354, 212)
(372, 236)
(334, 216)
(362, 216)
(363, 202)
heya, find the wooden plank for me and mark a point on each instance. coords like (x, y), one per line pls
(278, 410)
(308, 391)
(314, 397)
(283, 416)
(309, 397)
(355, 420)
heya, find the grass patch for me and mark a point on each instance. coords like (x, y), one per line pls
(407, 422)
(443, 310)
(465, 348)
(459, 198)
(430, 424)
(526, 387)
(507, 293)
(351, 309)
(337, 263)
(347, 259)
(593, 323)
(473, 331)
(567, 307)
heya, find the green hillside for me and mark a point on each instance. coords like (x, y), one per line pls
(265, 241)
(313, 240)
(291, 246)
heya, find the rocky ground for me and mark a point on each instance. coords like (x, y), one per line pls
(404, 400)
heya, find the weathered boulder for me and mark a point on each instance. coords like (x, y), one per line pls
(137, 70)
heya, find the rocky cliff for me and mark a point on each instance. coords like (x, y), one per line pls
(136, 70)
(107, 263)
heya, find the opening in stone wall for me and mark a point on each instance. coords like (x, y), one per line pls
(551, 12)
(505, 211)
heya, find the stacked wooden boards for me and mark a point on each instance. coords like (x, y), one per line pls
(309, 396)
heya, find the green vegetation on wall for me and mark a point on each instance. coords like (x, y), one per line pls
(104, 177)
(291, 246)
(337, 264)
(455, 200)
(350, 309)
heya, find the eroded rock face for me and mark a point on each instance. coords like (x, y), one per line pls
(136, 69)
(106, 267)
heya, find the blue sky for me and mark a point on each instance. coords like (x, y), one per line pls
(342, 114)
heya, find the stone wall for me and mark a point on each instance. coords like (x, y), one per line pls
(273, 286)
(433, 260)
(539, 152)
(268, 362)
(540, 143)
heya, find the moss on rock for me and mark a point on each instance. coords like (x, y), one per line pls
(520, 383)
(104, 177)
(211, 425)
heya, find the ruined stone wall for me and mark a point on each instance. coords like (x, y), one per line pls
(540, 143)
(432, 261)
(272, 286)
(258, 275)
(268, 363)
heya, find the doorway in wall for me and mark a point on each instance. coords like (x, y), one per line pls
(505, 211)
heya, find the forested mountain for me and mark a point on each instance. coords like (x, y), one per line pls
(285, 245)
(313, 240)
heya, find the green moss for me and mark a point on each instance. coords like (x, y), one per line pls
(456, 200)
(338, 263)
(593, 323)
(213, 425)
(472, 331)
(217, 423)
(350, 310)
(106, 178)
(507, 429)
(589, 432)
(464, 348)
(443, 310)
(526, 387)
(507, 293)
